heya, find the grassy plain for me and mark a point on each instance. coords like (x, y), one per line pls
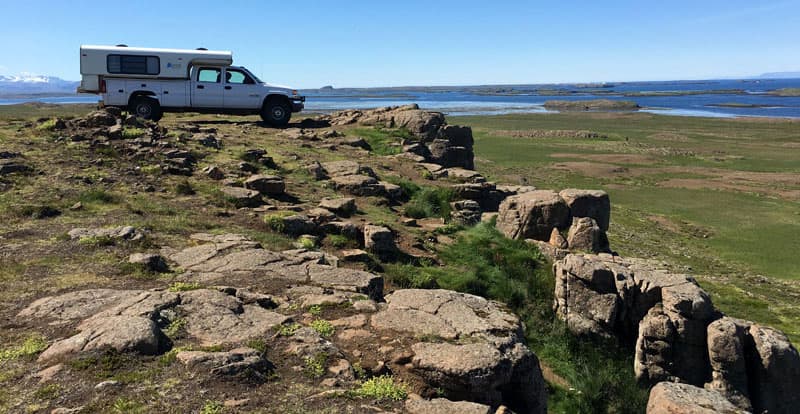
(717, 197)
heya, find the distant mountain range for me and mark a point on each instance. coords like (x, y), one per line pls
(27, 85)
(781, 75)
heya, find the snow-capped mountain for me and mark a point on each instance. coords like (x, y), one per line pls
(30, 84)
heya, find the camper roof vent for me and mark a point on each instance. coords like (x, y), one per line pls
(122, 45)
(201, 48)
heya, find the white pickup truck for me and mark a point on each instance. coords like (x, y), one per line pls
(149, 82)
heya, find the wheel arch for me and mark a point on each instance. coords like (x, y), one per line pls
(139, 94)
(276, 97)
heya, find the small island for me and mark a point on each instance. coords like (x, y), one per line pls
(786, 92)
(741, 105)
(592, 105)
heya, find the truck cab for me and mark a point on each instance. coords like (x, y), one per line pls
(149, 82)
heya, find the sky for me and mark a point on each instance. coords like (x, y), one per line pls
(342, 43)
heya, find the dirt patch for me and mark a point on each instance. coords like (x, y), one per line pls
(550, 133)
(669, 137)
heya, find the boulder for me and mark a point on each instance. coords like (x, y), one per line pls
(316, 170)
(589, 203)
(586, 235)
(341, 168)
(245, 362)
(465, 212)
(8, 166)
(379, 240)
(557, 240)
(213, 172)
(344, 206)
(115, 233)
(266, 184)
(726, 340)
(448, 155)
(358, 185)
(151, 262)
(120, 333)
(532, 215)
(242, 197)
(479, 355)
(678, 398)
(445, 406)
(773, 370)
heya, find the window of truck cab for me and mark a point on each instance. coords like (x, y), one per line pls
(209, 75)
(237, 76)
(133, 64)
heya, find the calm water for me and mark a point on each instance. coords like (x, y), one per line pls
(488, 100)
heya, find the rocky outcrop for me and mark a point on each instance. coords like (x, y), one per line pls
(465, 212)
(239, 362)
(589, 203)
(266, 184)
(678, 335)
(584, 234)
(532, 215)
(379, 240)
(445, 145)
(474, 351)
(445, 406)
(677, 398)
(129, 233)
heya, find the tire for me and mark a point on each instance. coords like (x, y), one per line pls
(276, 113)
(146, 108)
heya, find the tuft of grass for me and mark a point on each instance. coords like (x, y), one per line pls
(47, 392)
(275, 220)
(339, 241)
(96, 241)
(258, 344)
(383, 141)
(184, 286)
(176, 328)
(315, 310)
(212, 407)
(131, 133)
(307, 243)
(430, 202)
(37, 211)
(289, 329)
(49, 125)
(315, 366)
(124, 405)
(184, 188)
(383, 388)
(323, 327)
(97, 196)
(409, 187)
(31, 346)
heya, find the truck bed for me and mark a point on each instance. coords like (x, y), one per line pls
(170, 93)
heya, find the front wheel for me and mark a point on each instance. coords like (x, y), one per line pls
(276, 113)
(146, 108)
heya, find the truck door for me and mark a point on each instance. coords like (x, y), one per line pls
(241, 90)
(207, 88)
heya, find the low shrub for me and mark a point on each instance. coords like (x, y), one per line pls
(323, 327)
(382, 388)
(430, 202)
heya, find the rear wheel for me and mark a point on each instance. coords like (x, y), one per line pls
(146, 108)
(276, 113)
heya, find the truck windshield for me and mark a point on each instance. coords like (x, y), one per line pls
(253, 75)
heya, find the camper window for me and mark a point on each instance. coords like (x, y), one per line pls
(133, 65)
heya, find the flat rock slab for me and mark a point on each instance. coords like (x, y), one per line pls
(239, 361)
(359, 185)
(232, 254)
(678, 398)
(445, 406)
(242, 197)
(116, 233)
(121, 333)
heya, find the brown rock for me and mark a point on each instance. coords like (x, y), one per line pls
(589, 203)
(532, 215)
(678, 398)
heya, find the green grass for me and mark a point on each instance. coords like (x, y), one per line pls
(131, 133)
(184, 286)
(383, 141)
(750, 230)
(314, 366)
(30, 347)
(429, 202)
(289, 329)
(323, 327)
(124, 405)
(483, 262)
(212, 407)
(97, 196)
(48, 125)
(382, 388)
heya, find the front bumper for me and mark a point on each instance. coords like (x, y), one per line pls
(297, 103)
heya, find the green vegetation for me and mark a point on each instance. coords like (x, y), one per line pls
(131, 133)
(383, 141)
(212, 407)
(429, 202)
(48, 125)
(382, 388)
(308, 243)
(315, 310)
(786, 92)
(315, 366)
(30, 347)
(339, 241)
(592, 105)
(484, 262)
(96, 241)
(184, 286)
(289, 329)
(258, 344)
(716, 196)
(323, 327)
(184, 188)
(124, 405)
(275, 220)
(176, 328)
(97, 196)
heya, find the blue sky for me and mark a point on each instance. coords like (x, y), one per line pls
(393, 43)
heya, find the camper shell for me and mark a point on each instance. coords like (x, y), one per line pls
(149, 82)
(141, 62)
